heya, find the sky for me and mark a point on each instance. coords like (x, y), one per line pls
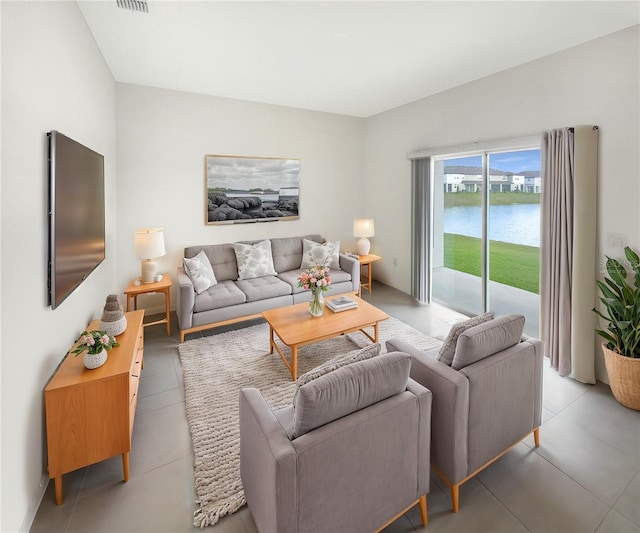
(508, 161)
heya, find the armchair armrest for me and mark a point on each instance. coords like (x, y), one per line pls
(186, 299)
(425, 399)
(267, 464)
(351, 265)
(450, 409)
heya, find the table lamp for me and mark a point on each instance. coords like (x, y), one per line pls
(363, 228)
(149, 244)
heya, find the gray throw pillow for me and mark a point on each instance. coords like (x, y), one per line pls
(336, 362)
(254, 260)
(325, 254)
(200, 272)
(486, 339)
(349, 389)
(448, 348)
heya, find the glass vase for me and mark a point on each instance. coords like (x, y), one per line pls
(316, 305)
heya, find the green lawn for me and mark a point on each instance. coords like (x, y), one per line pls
(459, 199)
(512, 264)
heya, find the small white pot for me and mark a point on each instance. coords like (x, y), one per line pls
(95, 360)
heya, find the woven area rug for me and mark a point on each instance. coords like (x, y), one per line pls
(216, 368)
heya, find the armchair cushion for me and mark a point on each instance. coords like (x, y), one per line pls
(486, 339)
(349, 389)
(448, 348)
(333, 364)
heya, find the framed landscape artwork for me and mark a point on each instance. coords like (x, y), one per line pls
(243, 189)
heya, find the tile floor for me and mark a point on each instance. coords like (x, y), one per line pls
(585, 477)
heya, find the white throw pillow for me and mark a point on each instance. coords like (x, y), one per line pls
(200, 272)
(325, 254)
(254, 260)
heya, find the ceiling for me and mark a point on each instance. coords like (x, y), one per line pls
(354, 58)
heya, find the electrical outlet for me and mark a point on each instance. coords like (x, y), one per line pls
(616, 240)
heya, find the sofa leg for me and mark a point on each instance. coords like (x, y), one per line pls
(536, 437)
(423, 510)
(455, 497)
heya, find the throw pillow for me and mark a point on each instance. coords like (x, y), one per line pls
(200, 272)
(349, 389)
(448, 349)
(254, 260)
(487, 339)
(325, 254)
(332, 364)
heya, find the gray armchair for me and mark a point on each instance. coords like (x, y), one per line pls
(486, 402)
(352, 454)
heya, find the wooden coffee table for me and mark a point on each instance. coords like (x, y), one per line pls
(296, 327)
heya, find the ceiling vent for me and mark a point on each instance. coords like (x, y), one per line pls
(140, 6)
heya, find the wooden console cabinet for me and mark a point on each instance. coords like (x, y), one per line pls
(90, 413)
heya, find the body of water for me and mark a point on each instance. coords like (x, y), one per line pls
(515, 223)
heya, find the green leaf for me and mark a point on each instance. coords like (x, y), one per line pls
(632, 257)
(617, 272)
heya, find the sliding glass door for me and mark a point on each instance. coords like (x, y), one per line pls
(486, 233)
(457, 233)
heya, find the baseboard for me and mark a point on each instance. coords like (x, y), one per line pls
(35, 504)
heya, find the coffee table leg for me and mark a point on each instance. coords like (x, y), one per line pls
(375, 332)
(294, 362)
(271, 340)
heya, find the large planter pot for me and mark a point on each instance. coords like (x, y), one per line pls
(624, 378)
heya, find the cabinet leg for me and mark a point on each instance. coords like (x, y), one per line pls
(58, 486)
(125, 465)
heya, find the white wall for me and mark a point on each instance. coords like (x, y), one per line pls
(53, 77)
(595, 83)
(163, 137)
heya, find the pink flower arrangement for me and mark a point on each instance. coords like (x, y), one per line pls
(315, 278)
(94, 342)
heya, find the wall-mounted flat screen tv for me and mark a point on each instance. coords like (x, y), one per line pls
(76, 215)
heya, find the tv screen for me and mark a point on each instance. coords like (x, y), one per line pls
(76, 215)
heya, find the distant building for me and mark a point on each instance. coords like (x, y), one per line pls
(288, 192)
(469, 179)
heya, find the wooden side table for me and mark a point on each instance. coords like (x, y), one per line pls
(163, 286)
(367, 281)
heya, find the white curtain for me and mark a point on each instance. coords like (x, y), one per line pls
(568, 250)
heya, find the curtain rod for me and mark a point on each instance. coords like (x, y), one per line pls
(513, 143)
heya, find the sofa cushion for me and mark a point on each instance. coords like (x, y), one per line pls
(349, 389)
(287, 252)
(224, 294)
(263, 288)
(222, 258)
(448, 348)
(254, 260)
(486, 339)
(199, 270)
(325, 254)
(334, 363)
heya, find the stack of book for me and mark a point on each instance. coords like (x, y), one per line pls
(341, 303)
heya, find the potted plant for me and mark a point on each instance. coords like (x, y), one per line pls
(97, 343)
(622, 349)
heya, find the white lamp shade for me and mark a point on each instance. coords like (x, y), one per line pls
(149, 243)
(363, 227)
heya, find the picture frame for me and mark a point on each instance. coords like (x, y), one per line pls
(245, 189)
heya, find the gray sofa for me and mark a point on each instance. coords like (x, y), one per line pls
(486, 402)
(232, 300)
